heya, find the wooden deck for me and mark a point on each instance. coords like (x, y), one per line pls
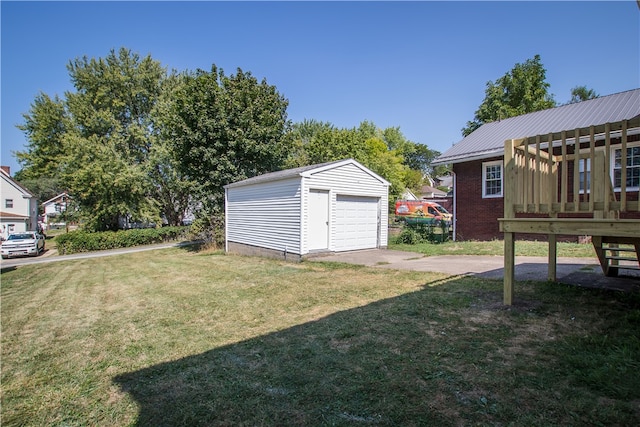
(577, 182)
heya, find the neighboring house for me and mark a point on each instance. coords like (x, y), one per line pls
(330, 207)
(408, 195)
(53, 209)
(429, 192)
(19, 209)
(478, 159)
(444, 181)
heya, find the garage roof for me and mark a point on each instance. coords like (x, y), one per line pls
(302, 171)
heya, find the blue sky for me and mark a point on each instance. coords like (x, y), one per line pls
(420, 66)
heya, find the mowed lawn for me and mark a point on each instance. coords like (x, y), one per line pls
(182, 337)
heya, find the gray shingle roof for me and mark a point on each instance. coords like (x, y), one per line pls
(488, 140)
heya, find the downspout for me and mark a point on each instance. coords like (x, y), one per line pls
(455, 204)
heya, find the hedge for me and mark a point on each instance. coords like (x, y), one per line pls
(82, 241)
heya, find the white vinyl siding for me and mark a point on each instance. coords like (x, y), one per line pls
(349, 180)
(275, 213)
(22, 205)
(265, 215)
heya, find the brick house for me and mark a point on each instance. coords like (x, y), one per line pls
(478, 159)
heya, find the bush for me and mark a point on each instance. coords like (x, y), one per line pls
(83, 241)
(209, 230)
(413, 234)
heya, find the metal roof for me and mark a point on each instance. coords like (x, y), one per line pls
(488, 140)
(302, 171)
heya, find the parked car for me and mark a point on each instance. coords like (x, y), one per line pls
(25, 243)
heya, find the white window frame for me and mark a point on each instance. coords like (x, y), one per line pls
(485, 166)
(613, 164)
(8, 203)
(582, 170)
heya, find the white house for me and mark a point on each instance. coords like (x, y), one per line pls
(19, 209)
(53, 208)
(330, 207)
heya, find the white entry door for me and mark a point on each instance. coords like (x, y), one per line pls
(318, 220)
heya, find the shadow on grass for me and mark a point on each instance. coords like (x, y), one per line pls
(7, 269)
(440, 356)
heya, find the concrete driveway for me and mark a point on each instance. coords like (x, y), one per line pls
(577, 271)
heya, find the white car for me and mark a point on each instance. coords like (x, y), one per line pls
(25, 243)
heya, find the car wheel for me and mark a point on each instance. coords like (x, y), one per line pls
(5, 257)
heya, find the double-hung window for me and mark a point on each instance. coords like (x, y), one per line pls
(632, 178)
(492, 182)
(585, 169)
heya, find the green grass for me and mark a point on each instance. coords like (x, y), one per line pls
(181, 337)
(496, 247)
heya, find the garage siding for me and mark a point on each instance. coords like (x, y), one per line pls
(265, 215)
(347, 180)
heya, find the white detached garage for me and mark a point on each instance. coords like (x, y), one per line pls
(330, 207)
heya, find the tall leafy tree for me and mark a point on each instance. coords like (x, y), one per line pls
(173, 191)
(45, 127)
(224, 129)
(109, 142)
(97, 140)
(367, 144)
(522, 90)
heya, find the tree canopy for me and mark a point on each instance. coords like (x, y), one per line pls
(521, 90)
(133, 141)
(386, 152)
(582, 93)
(225, 128)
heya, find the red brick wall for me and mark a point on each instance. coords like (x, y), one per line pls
(477, 218)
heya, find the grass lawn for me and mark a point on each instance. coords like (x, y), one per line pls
(496, 247)
(181, 337)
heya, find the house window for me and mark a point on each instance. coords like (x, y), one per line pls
(492, 179)
(585, 168)
(632, 178)
(8, 203)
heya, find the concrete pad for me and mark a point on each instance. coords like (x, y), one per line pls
(579, 271)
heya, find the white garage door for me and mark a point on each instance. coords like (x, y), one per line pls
(356, 225)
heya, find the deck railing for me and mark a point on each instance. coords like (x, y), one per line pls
(571, 172)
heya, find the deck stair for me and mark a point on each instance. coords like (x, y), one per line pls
(617, 253)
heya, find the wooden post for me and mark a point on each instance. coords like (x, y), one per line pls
(553, 257)
(509, 212)
(509, 267)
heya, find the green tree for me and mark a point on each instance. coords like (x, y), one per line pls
(44, 187)
(520, 91)
(420, 158)
(109, 142)
(173, 191)
(97, 140)
(224, 129)
(45, 127)
(582, 93)
(366, 144)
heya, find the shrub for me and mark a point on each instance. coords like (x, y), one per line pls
(209, 230)
(84, 241)
(413, 234)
